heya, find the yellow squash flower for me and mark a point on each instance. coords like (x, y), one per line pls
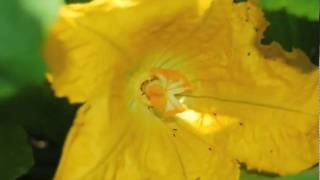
(179, 89)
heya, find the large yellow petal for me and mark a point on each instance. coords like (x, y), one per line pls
(110, 141)
(272, 93)
(87, 39)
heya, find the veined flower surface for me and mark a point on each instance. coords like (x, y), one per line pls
(180, 89)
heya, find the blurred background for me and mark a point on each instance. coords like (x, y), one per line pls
(33, 123)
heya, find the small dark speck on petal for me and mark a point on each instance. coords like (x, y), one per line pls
(256, 29)
(86, 109)
(79, 125)
(249, 54)
(210, 149)
(271, 151)
(241, 124)
(198, 178)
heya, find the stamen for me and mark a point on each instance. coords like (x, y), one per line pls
(162, 88)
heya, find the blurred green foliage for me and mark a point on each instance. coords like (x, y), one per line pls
(31, 115)
(311, 174)
(23, 27)
(76, 1)
(15, 153)
(45, 119)
(300, 8)
(292, 31)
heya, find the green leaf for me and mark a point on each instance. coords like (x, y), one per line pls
(15, 153)
(301, 8)
(6, 88)
(40, 113)
(23, 27)
(293, 32)
(311, 174)
(45, 118)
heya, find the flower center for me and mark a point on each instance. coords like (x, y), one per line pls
(161, 89)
